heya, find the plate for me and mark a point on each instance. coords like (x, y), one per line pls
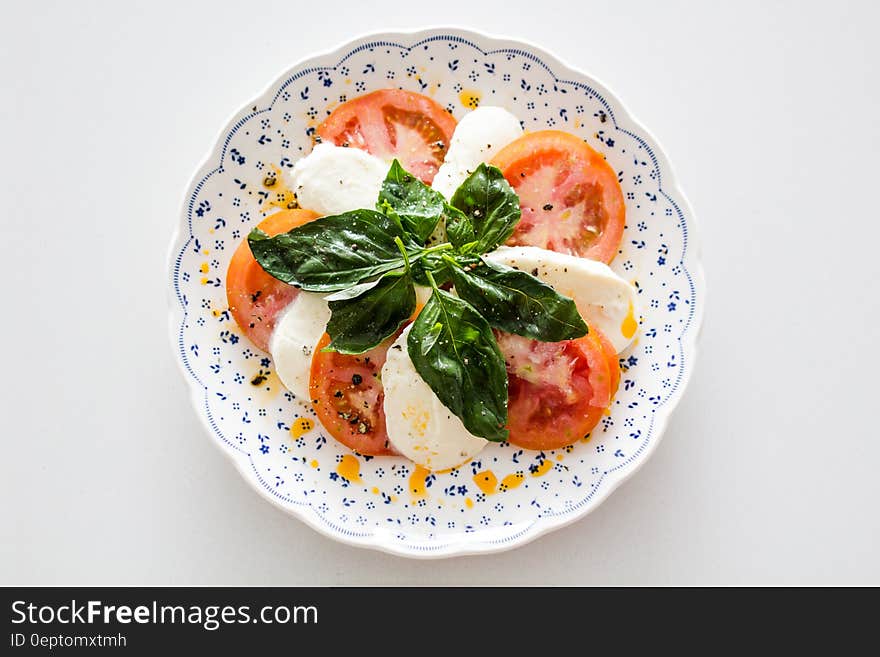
(505, 496)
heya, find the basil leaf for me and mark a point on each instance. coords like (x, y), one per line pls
(353, 291)
(416, 205)
(459, 229)
(385, 208)
(490, 204)
(333, 253)
(434, 263)
(516, 302)
(359, 323)
(454, 351)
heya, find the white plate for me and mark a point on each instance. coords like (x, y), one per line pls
(310, 475)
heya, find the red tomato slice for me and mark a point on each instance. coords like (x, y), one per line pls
(255, 298)
(570, 198)
(613, 361)
(557, 390)
(393, 123)
(348, 397)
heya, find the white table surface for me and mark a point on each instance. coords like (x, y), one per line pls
(768, 472)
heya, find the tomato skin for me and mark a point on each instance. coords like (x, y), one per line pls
(613, 361)
(557, 391)
(254, 297)
(348, 397)
(393, 123)
(570, 198)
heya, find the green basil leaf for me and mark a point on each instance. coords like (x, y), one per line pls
(353, 291)
(459, 228)
(333, 253)
(385, 208)
(516, 302)
(434, 263)
(454, 351)
(359, 323)
(416, 205)
(490, 204)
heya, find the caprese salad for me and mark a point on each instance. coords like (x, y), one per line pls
(438, 285)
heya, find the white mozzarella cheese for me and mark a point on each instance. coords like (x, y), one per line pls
(333, 179)
(477, 138)
(293, 341)
(419, 426)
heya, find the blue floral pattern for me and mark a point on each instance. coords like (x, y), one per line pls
(384, 502)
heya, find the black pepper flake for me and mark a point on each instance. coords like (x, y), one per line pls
(548, 207)
(357, 379)
(258, 379)
(535, 271)
(337, 394)
(256, 295)
(396, 346)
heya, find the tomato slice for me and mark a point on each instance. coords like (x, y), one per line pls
(348, 397)
(570, 198)
(557, 390)
(255, 298)
(613, 361)
(393, 123)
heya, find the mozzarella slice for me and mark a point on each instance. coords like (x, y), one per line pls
(296, 333)
(419, 426)
(333, 179)
(477, 138)
(603, 298)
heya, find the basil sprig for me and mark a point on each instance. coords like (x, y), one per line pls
(371, 260)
